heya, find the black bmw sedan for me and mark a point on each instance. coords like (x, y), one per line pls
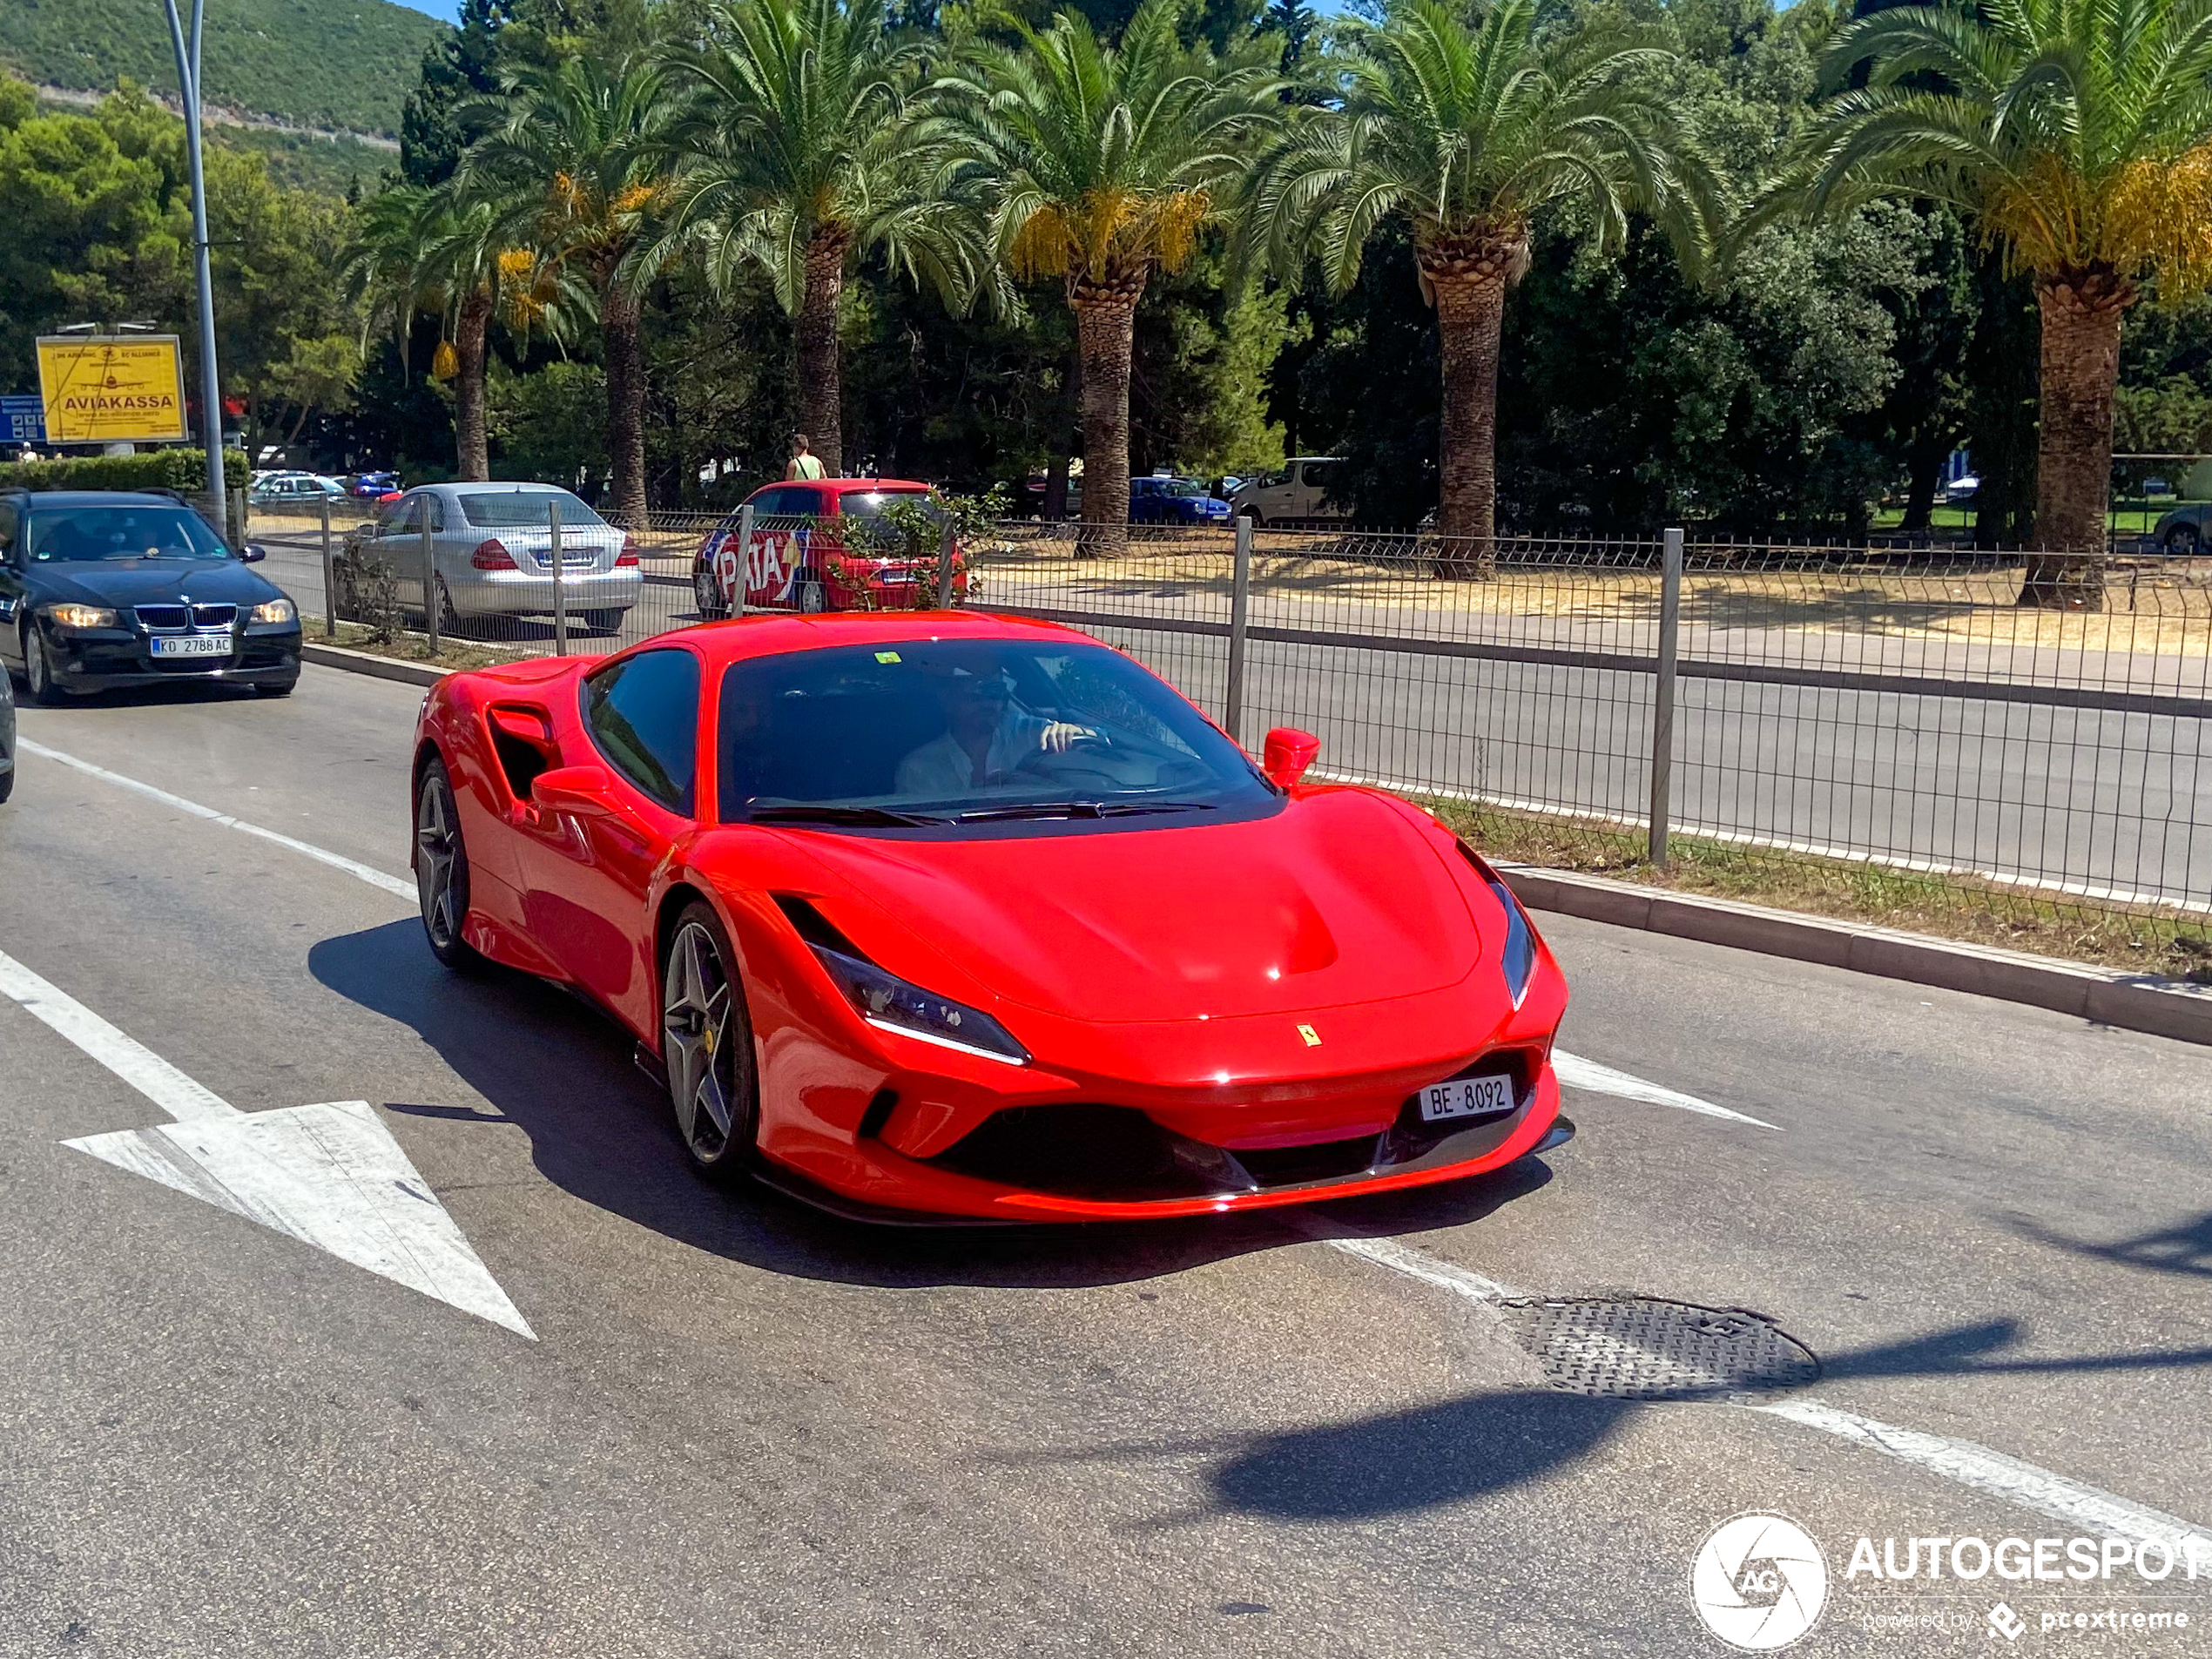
(101, 588)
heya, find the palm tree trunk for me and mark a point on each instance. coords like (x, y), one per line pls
(472, 441)
(1105, 325)
(1467, 276)
(2080, 364)
(619, 329)
(821, 405)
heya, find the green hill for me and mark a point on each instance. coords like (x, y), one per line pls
(344, 63)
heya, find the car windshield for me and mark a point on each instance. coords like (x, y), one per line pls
(506, 509)
(80, 535)
(934, 731)
(871, 504)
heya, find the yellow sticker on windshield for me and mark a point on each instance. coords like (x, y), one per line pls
(887, 656)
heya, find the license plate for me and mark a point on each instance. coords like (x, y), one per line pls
(194, 645)
(1465, 1097)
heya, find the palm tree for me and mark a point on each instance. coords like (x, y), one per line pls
(2076, 135)
(1468, 130)
(420, 249)
(575, 167)
(796, 150)
(415, 250)
(1106, 162)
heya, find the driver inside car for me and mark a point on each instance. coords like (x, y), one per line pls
(986, 738)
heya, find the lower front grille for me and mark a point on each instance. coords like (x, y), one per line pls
(1107, 1153)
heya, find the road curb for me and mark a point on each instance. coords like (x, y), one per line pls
(2132, 1001)
(362, 662)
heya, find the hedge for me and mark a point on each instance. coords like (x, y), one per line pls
(180, 470)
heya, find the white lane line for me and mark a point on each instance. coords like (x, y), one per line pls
(1968, 1465)
(375, 878)
(129, 1058)
(1962, 1462)
(1574, 1072)
(329, 1175)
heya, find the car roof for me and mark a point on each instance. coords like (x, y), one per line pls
(742, 637)
(34, 498)
(844, 486)
(497, 486)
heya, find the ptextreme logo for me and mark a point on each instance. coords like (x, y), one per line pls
(1758, 1581)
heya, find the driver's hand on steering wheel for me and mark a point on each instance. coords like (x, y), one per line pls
(1057, 736)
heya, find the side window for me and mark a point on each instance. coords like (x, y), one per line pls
(406, 519)
(7, 531)
(643, 713)
(436, 508)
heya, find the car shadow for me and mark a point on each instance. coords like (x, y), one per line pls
(561, 1071)
(147, 695)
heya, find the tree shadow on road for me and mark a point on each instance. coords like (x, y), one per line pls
(561, 1072)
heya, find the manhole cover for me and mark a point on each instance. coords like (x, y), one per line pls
(1639, 1347)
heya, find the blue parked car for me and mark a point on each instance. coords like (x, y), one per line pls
(1159, 500)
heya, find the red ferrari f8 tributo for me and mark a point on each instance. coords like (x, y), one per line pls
(930, 916)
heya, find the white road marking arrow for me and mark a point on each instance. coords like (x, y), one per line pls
(1574, 1072)
(329, 1175)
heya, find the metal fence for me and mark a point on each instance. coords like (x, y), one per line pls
(1887, 707)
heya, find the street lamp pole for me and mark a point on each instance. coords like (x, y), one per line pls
(210, 384)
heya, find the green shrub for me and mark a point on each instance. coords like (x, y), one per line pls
(180, 470)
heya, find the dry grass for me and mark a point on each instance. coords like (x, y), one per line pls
(415, 648)
(2164, 945)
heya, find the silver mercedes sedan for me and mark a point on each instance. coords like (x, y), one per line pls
(490, 548)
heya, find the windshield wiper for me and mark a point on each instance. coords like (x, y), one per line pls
(1078, 809)
(866, 817)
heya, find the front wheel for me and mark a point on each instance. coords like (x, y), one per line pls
(2181, 541)
(706, 1046)
(38, 669)
(442, 869)
(706, 596)
(7, 785)
(811, 596)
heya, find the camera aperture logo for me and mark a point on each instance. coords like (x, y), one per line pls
(1758, 1581)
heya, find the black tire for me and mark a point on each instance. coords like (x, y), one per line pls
(706, 595)
(38, 673)
(7, 785)
(442, 869)
(602, 622)
(2182, 541)
(809, 596)
(706, 1047)
(282, 688)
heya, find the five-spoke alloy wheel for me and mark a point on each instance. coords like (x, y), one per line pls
(707, 1045)
(442, 867)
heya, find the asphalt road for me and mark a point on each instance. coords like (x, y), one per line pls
(2082, 799)
(743, 1428)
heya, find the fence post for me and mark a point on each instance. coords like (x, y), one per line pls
(329, 579)
(1240, 595)
(429, 575)
(1662, 699)
(745, 560)
(944, 549)
(560, 584)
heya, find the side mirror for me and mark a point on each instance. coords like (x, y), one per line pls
(253, 553)
(585, 790)
(1289, 752)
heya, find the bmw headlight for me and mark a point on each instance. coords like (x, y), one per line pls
(275, 610)
(885, 1001)
(82, 616)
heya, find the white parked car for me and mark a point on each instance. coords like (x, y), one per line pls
(288, 489)
(491, 552)
(1299, 494)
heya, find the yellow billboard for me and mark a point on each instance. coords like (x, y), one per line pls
(111, 388)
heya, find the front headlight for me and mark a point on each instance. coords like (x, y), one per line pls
(1518, 959)
(890, 1003)
(275, 610)
(82, 616)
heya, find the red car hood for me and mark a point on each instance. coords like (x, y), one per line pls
(1334, 900)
